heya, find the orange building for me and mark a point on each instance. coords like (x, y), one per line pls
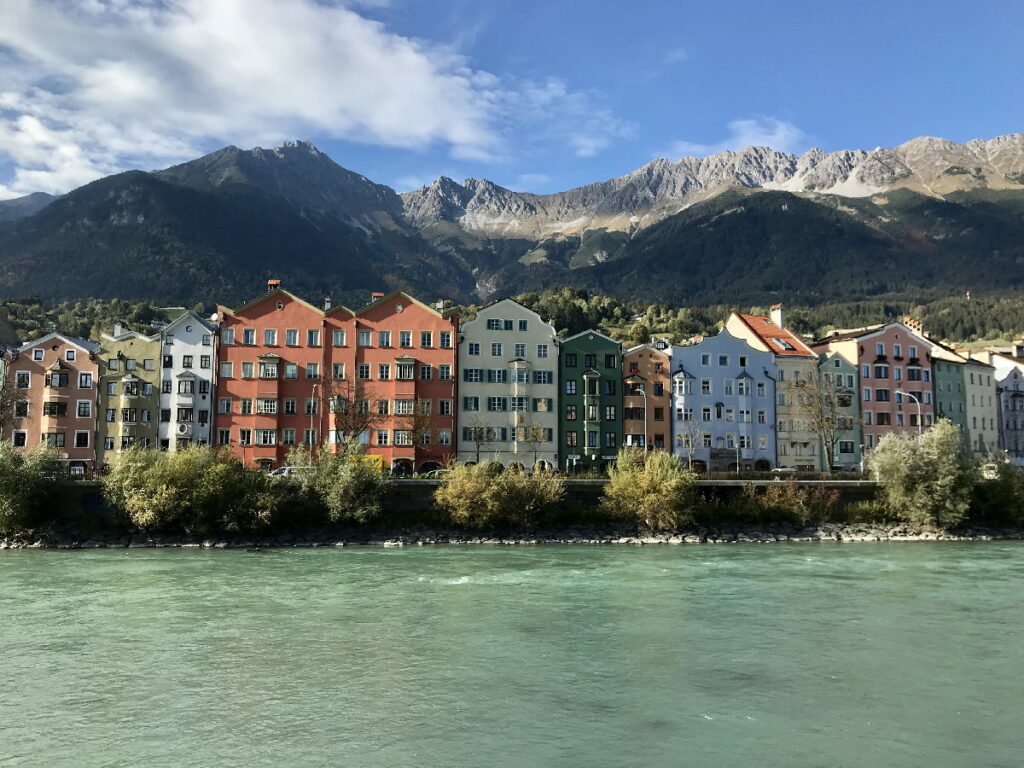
(54, 381)
(646, 397)
(402, 361)
(272, 357)
(293, 374)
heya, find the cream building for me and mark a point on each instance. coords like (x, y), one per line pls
(508, 387)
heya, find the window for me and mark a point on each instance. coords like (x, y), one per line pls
(846, 446)
(444, 437)
(85, 381)
(705, 414)
(444, 407)
(185, 386)
(591, 439)
(247, 370)
(248, 336)
(570, 360)
(266, 437)
(542, 350)
(37, 354)
(471, 403)
(338, 339)
(497, 404)
(245, 437)
(473, 348)
(609, 361)
(312, 338)
(55, 409)
(270, 340)
(291, 337)
(55, 439)
(497, 376)
(224, 405)
(590, 361)
(403, 407)
(113, 364)
(312, 370)
(21, 409)
(405, 339)
(882, 395)
(570, 386)
(57, 380)
(384, 338)
(227, 336)
(165, 415)
(226, 370)
(405, 371)
(520, 350)
(444, 372)
(866, 394)
(312, 406)
(403, 437)
(543, 377)
(384, 371)
(705, 386)
(496, 349)
(363, 372)
(494, 324)
(426, 339)
(184, 414)
(609, 413)
(204, 361)
(570, 438)
(266, 406)
(268, 370)
(291, 370)
(19, 438)
(426, 373)
(338, 371)
(363, 339)
(743, 361)
(69, 355)
(446, 339)
(84, 409)
(383, 436)
(287, 437)
(22, 380)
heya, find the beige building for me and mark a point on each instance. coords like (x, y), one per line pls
(797, 443)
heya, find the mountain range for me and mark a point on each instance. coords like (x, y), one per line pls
(927, 218)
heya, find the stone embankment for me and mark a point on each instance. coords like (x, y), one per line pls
(571, 535)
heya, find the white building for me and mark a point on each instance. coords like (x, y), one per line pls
(508, 387)
(188, 360)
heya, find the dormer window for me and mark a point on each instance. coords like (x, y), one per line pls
(69, 355)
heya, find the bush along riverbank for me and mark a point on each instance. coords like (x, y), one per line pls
(928, 489)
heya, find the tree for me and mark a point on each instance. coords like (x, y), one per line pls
(418, 423)
(692, 435)
(481, 496)
(534, 435)
(27, 481)
(824, 406)
(479, 434)
(349, 406)
(925, 480)
(8, 396)
(651, 488)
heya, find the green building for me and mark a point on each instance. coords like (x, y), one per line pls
(950, 391)
(839, 380)
(129, 393)
(590, 384)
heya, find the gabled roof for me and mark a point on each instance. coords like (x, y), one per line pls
(407, 297)
(593, 332)
(129, 335)
(511, 301)
(782, 342)
(92, 347)
(188, 316)
(651, 347)
(278, 291)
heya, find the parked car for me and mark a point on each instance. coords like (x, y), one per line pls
(784, 470)
(437, 474)
(291, 471)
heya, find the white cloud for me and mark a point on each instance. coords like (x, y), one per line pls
(675, 55)
(90, 87)
(756, 132)
(531, 182)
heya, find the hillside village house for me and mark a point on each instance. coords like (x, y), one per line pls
(839, 386)
(508, 393)
(797, 442)
(965, 394)
(188, 382)
(647, 396)
(54, 380)
(129, 399)
(1008, 375)
(590, 392)
(895, 365)
(724, 404)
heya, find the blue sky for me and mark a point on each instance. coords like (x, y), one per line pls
(539, 96)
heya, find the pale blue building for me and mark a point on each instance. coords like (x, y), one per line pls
(723, 405)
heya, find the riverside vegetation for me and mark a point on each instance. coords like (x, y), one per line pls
(926, 481)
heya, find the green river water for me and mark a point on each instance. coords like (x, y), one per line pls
(795, 655)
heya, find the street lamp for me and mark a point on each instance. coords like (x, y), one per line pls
(917, 403)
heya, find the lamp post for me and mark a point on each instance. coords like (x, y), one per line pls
(917, 403)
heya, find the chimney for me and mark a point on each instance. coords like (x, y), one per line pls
(776, 314)
(327, 302)
(1018, 349)
(118, 329)
(376, 295)
(273, 285)
(915, 325)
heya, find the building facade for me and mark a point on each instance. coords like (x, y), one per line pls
(798, 443)
(839, 385)
(55, 380)
(508, 390)
(268, 384)
(590, 390)
(1007, 365)
(981, 398)
(949, 370)
(188, 382)
(129, 398)
(895, 372)
(647, 397)
(403, 355)
(724, 405)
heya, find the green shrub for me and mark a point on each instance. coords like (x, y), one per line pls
(27, 482)
(482, 496)
(1000, 500)
(196, 489)
(651, 489)
(347, 484)
(925, 480)
(789, 502)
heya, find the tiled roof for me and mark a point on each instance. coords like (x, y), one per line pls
(780, 341)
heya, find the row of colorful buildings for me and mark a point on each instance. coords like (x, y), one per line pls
(420, 390)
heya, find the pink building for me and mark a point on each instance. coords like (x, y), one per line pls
(894, 364)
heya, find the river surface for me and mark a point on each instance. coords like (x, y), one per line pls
(818, 655)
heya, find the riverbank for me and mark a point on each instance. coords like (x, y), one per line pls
(422, 536)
